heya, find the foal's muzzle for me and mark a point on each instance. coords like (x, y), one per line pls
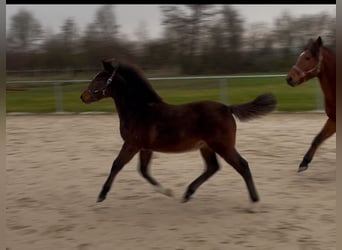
(86, 97)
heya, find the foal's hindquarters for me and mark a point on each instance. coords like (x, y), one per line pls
(220, 139)
(220, 136)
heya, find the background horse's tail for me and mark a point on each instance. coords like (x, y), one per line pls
(261, 105)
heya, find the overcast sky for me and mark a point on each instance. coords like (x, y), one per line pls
(129, 17)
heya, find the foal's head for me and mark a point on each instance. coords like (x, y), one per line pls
(99, 86)
(121, 82)
(308, 63)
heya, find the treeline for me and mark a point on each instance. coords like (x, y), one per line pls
(197, 39)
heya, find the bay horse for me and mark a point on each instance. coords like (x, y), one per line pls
(317, 61)
(148, 124)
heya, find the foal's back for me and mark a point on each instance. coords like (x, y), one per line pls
(176, 128)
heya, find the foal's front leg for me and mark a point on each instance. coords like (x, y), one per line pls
(145, 159)
(126, 154)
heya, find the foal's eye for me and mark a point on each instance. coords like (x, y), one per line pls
(307, 58)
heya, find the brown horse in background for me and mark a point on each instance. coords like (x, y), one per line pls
(148, 124)
(317, 61)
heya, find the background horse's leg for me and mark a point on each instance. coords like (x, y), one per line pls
(212, 166)
(328, 130)
(126, 154)
(145, 158)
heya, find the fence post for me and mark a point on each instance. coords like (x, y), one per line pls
(224, 91)
(58, 97)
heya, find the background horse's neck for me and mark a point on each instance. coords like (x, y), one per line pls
(328, 67)
(327, 79)
(327, 76)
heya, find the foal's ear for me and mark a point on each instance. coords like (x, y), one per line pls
(107, 64)
(319, 42)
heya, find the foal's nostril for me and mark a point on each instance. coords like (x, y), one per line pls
(289, 80)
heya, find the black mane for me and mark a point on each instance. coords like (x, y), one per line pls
(136, 87)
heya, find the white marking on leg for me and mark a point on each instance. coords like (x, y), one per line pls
(164, 191)
(254, 207)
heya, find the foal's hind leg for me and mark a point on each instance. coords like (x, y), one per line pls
(145, 158)
(241, 166)
(328, 130)
(212, 166)
(232, 157)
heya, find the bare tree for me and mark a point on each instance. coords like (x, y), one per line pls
(185, 26)
(25, 32)
(291, 34)
(197, 39)
(70, 35)
(142, 37)
(311, 26)
(100, 39)
(233, 30)
(175, 32)
(225, 41)
(284, 32)
(259, 47)
(105, 23)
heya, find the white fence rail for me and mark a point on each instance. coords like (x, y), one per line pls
(223, 83)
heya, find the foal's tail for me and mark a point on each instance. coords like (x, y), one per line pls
(261, 105)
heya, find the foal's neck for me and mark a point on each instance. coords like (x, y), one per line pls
(130, 111)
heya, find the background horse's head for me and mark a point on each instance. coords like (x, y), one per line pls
(308, 64)
(99, 86)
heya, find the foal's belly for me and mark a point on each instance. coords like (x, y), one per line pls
(181, 146)
(170, 137)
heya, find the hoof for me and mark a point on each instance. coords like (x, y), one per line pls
(188, 194)
(253, 208)
(101, 198)
(255, 199)
(165, 191)
(302, 168)
(304, 164)
(185, 199)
